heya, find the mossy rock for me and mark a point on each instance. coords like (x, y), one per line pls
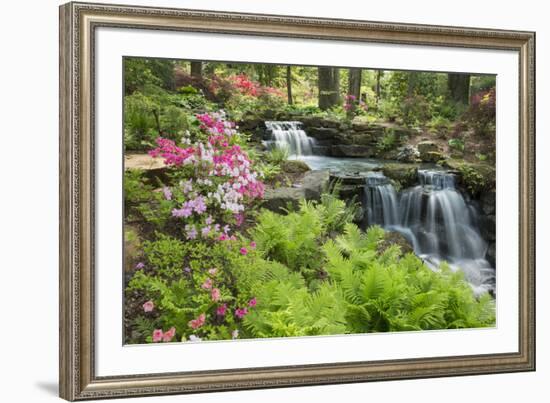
(476, 178)
(403, 174)
(431, 156)
(395, 238)
(294, 167)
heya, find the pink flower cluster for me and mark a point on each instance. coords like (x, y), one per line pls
(159, 335)
(351, 103)
(196, 323)
(236, 182)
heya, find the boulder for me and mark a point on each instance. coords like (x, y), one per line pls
(395, 238)
(426, 146)
(294, 167)
(404, 174)
(407, 153)
(314, 183)
(310, 188)
(354, 151)
(429, 151)
(431, 156)
(282, 198)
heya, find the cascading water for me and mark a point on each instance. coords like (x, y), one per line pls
(436, 219)
(289, 135)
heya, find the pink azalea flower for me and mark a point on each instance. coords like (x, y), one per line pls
(215, 294)
(196, 323)
(253, 245)
(140, 265)
(243, 251)
(157, 335)
(239, 219)
(252, 303)
(222, 309)
(241, 312)
(213, 271)
(207, 284)
(148, 306)
(223, 237)
(169, 334)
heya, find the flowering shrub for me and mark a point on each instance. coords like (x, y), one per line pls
(353, 106)
(216, 180)
(482, 111)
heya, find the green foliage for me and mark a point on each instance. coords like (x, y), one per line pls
(457, 144)
(136, 190)
(139, 72)
(277, 155)
(473, 179)
(366, 292)
(388, 141)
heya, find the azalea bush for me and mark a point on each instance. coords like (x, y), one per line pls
(214, 181)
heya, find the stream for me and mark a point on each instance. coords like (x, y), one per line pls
(439, 221)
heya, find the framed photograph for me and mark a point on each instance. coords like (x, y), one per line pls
(255, 201)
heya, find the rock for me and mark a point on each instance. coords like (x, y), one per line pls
(323, 133)
(407, 153)
(404, 174)
(319, 121)
(354, 151)
(153, 169)
(320, 150)
(426, 146)
(364, 139)
(311, 188)
(429, 152)
(491, 254)
(348, 178)
(294, 166)
(249, 123)
(431, 156)
(314, 183)
(487, 227)
(359, 123)
(282, 198)
(488, 202)
(395, 238)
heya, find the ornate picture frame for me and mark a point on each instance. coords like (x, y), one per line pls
(78, 25)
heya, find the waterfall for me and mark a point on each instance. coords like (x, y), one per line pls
(291, 136)
(436, 219)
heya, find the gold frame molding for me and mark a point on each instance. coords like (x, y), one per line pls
(78, 22)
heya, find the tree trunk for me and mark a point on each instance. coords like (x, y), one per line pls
(354, 83)
(378, 76)
(289, 84)
(329, 87)
(459, 88)
(196, 69)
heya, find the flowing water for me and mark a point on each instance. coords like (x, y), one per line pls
(290, 136)
(437, 220)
